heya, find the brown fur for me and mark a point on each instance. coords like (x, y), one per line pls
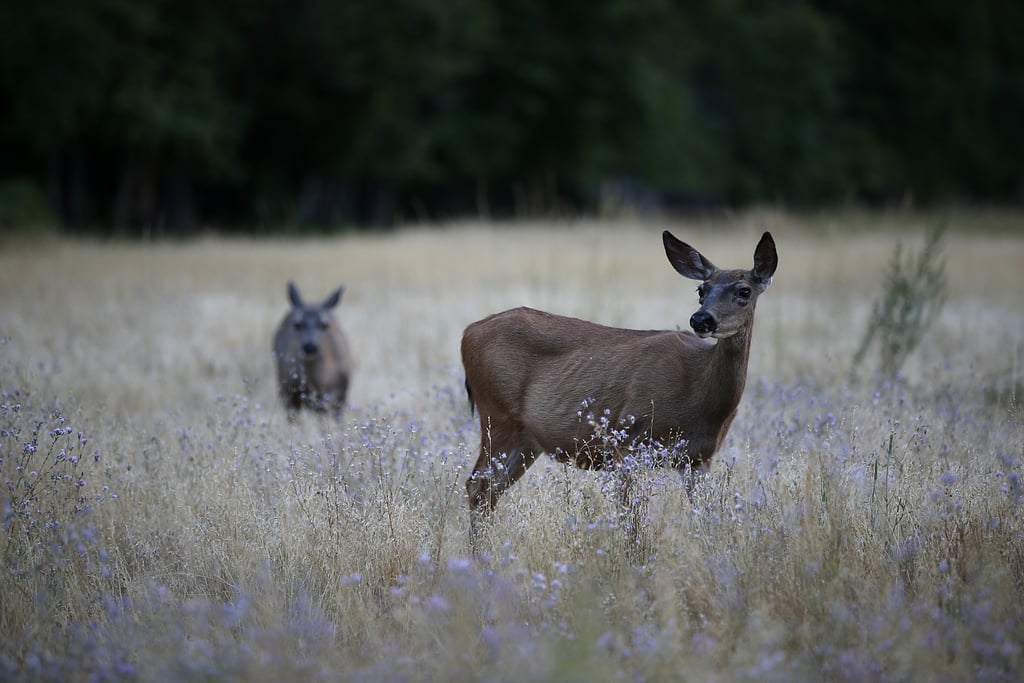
(529, 374)
(312, 355)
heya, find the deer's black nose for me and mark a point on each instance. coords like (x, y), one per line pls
(703, 323)
(309, 348)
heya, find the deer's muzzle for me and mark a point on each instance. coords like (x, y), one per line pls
(703, 323)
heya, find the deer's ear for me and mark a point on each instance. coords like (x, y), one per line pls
(333, 299)
(766, 259)
(687, 261)
(293, 295)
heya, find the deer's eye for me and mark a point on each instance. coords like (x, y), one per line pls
(700, 294)
(743, 292)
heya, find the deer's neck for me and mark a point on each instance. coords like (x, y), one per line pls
(728, 369)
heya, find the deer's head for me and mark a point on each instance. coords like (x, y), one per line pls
(310, 321)
(727, 297)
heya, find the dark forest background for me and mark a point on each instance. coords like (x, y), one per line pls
(142, 116)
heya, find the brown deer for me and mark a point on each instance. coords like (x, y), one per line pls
(530, 372)
(313, 364)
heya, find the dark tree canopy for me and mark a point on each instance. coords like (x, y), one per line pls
(143, 115)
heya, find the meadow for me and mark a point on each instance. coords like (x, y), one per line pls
(162, 520)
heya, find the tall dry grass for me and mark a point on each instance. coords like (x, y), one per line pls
(164, 521)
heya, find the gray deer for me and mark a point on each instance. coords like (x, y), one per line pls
(312, 354)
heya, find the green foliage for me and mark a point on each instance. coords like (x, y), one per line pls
(23, 207)
(936, 95)
(332, 113)
(912, 299)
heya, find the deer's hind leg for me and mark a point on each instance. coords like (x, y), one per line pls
(499, 466)
(505, 455)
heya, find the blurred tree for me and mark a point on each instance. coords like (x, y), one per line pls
(128, 85)
(350, 101)
(148, 114)
(1005, 110)
(169, 120)
(934, 84)
(767, 79)
(574, 92)
(56, 62)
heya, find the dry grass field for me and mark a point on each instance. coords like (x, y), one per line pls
(163, 521)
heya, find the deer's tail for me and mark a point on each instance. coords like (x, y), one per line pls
(469, 395)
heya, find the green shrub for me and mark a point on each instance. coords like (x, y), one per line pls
(912, 299)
